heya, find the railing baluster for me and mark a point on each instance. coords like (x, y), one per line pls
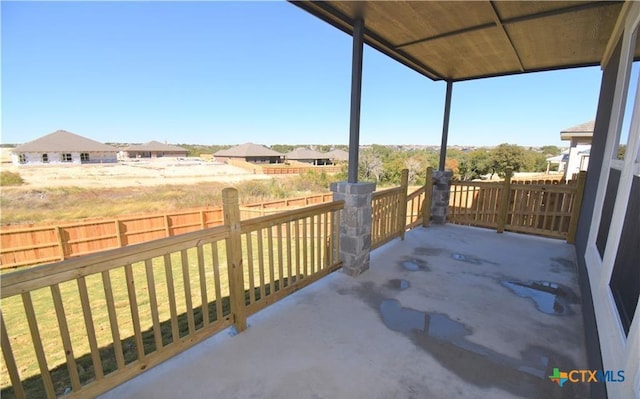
(10, 361)
(304, 247)
(280, 264)
(326, 239)
(261, 263)
(168, 270)
(319, 244)
(91, 332)
(37, 344)
(216, 281)
(135, 314)
(252, 294)
(296, 232)
(113, 319)
(153, 304)
(312, 251)
(186, 280)
(289, 262)
(204, 307)
(66, 338)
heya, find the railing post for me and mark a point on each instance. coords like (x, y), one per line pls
(575, 209)
(503, 202)
(61, 243)
(428, 194)
(231, 210)
(402, 207)
(167, 225)
(118, 233)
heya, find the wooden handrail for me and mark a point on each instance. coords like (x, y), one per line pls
(46, 275)
(289, 216)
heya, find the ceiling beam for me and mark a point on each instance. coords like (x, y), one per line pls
(345, 23)
(503, 22)
(500, 26)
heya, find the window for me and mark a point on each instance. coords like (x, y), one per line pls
(84, 157)
(45, 158)
(22, 158)
(65, 157)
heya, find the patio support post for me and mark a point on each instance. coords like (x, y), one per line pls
(445, 126)
(441, 192)
(355, 224)
(356, 96)
(428, 198)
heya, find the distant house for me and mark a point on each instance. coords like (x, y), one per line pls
(249, 152)
(62, 147)
(580, 137)
(306, 155)
(338, 155)
(560, 160)
(155, 149)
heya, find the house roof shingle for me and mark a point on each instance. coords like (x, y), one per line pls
(62, 140)
(305, 153)
(338, 154)
(247, 150)
(582, 131)
(155, 146)
(586, 127)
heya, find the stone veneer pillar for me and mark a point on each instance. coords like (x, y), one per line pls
(355, 225)
(441, 192)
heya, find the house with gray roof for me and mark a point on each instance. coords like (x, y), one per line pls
(338, 155)
(580, 137)
(155, 149)
(249, 152)
(306, 155)
(62, 147)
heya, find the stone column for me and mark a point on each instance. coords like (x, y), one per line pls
(355, 225)
(441, 192)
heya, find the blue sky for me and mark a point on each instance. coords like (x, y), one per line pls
(233, 72)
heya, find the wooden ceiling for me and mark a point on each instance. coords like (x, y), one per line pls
(461, 40)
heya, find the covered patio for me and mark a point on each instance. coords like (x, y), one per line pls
(448, 312)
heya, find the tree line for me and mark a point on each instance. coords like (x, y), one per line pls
(382, 164)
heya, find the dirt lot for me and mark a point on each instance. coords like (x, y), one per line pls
(128, 174)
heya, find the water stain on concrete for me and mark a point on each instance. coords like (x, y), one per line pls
(550, 298)
(428, 251)
(398, 284)
(414, 265)
(562, 265)
(446, 340)
(474, 260)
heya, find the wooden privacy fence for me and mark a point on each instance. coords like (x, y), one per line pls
(50, 243)
(296, 170)
(543, 209)
(84, 325)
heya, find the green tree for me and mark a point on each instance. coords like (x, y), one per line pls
(475, 165)
(507, 156)
(550, 150)
(283, 148)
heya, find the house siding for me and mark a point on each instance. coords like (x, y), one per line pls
(55, 158)
(599, 139)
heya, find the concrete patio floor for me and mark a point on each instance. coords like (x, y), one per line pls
(450, 312)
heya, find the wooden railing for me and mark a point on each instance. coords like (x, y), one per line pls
(389, 210)
(543, 209)
(84, 325)
(50, 243)
(418, 208)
